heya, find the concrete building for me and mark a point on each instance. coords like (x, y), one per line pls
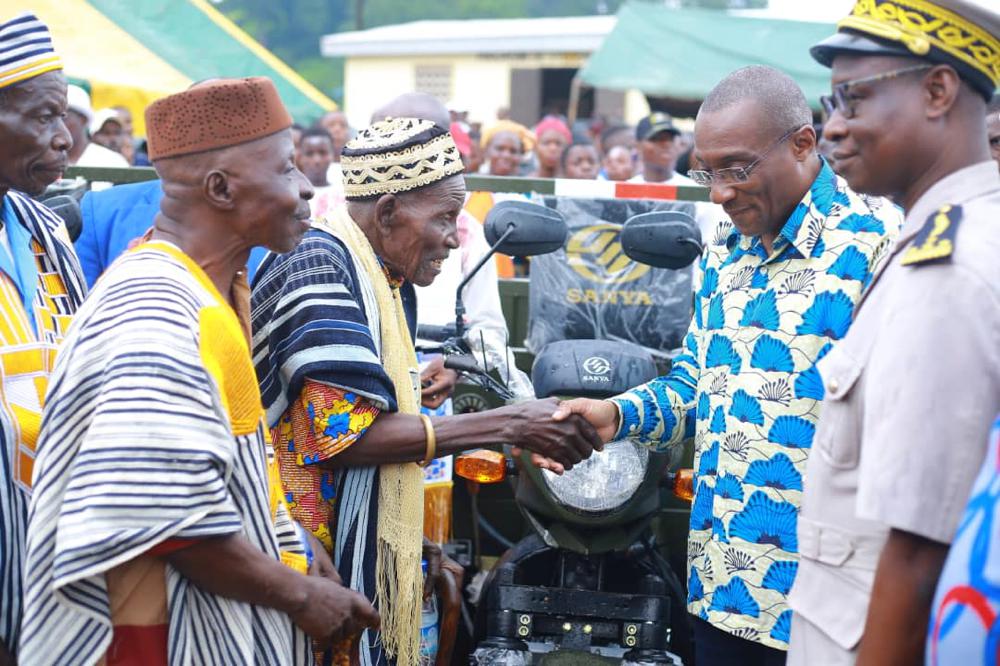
(482, 66)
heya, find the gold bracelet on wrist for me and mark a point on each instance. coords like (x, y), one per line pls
(431, 440)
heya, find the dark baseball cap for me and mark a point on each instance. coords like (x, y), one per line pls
(653, 124)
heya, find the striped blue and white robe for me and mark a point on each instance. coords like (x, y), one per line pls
(315, 317)
(50, 232)
(137, 446)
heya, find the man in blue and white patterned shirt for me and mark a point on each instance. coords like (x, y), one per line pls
(774, 289)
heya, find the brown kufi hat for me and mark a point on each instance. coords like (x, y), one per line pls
(215, 114)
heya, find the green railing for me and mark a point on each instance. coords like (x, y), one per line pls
(513, 292)
(116, 175)
(473, 182)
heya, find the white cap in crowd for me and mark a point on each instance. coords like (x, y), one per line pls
(78, 100)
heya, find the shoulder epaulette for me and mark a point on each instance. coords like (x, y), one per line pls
(936, 240)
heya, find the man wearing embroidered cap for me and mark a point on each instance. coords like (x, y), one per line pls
(40, 281)
(333, 327)
(911, 390)
(158, 532)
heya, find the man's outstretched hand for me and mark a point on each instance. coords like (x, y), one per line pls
(562, 442)
(437, 383)
(538, 460)
(601, 414)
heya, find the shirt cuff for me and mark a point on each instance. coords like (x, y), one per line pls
(624, 429)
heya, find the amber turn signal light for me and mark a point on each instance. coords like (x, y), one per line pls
(683, 485)
(482, 466)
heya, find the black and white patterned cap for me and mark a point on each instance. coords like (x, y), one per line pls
(397, 155)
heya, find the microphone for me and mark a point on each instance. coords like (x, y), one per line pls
(68, 208)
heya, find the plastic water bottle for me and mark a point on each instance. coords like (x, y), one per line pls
(428, 627)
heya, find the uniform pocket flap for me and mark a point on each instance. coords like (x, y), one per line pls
(822, 544)
(832, 600)
(839, 372)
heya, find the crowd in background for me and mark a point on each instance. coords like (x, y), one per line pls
(601, 149)
(847, 299)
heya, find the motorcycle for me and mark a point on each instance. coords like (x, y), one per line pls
(589, 585)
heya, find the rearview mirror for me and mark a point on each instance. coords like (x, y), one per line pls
(664, 239)
(524, 229)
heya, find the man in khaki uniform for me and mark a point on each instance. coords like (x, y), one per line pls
(912, 388)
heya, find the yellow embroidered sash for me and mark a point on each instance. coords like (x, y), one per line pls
(225, 353)
(27, 357)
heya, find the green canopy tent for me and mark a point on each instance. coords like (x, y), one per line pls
(682, 53)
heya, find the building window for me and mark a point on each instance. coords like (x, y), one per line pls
(434, 80)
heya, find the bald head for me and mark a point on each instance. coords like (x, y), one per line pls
(774, 93)
(415, 105)
(239, 196)
(206, 179)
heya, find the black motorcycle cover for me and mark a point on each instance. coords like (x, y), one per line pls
(591, 290)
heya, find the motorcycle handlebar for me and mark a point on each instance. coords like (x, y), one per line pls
(435, 333)
(462, 363)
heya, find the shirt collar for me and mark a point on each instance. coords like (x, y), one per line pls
(395, 281)
(820, 196)
(19, 263)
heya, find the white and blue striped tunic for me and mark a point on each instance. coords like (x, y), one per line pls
(149, 434)
(49, 231)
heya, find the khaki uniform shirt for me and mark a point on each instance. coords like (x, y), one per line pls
(910, 395)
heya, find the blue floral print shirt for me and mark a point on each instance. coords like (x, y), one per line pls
(744, 387)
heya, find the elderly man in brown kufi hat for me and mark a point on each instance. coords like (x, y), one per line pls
(158, 532)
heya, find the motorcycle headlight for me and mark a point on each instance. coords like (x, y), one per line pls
(604, 481)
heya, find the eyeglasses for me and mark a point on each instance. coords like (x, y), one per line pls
(841, 99)
(740, 174)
